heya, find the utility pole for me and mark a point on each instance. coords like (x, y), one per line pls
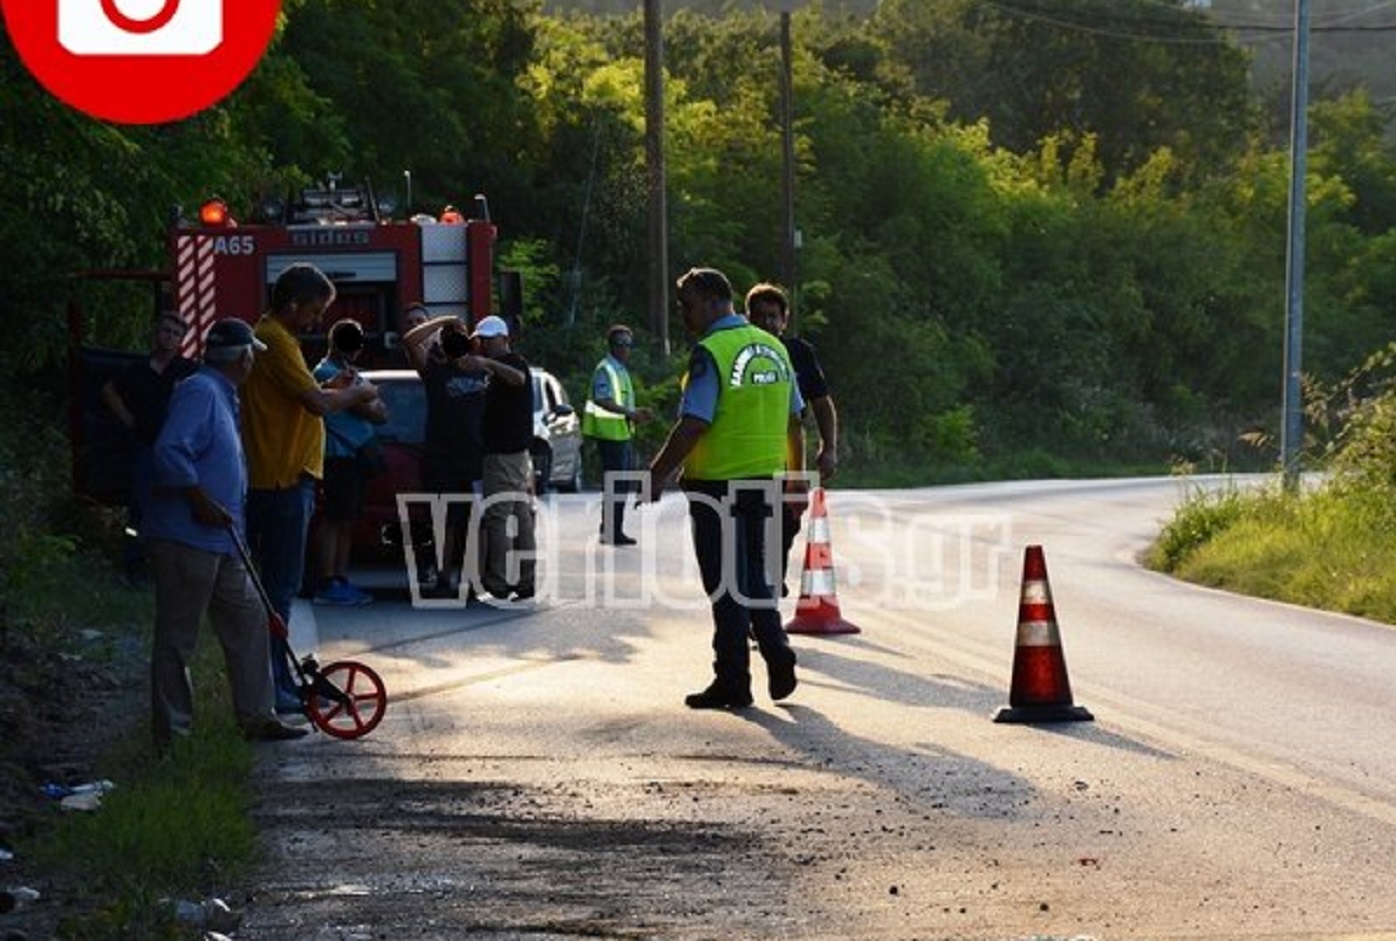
(1292, 423)
(654, 164)
(787, 190)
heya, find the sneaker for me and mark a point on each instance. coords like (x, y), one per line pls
(336, 593)
(621, 540)
(717, 696)
(357, 595)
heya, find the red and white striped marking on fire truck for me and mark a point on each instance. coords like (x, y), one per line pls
(196, 288)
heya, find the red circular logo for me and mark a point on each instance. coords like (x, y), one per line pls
(141, 61)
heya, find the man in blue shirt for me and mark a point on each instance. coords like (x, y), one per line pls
(738, 431)
(200, 486)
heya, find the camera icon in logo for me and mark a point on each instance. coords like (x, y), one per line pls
(140, 27)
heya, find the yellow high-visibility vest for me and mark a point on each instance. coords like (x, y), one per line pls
(598, 422)
(748, 433)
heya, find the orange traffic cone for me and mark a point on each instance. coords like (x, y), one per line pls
(1041, 692)
(817, 611)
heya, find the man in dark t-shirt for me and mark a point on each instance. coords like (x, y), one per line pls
(768, 308)
(455, 381)
(508, 565)
(138, 397)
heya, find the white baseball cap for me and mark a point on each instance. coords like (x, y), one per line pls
(491, 326)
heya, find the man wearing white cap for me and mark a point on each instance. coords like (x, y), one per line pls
(508, 564)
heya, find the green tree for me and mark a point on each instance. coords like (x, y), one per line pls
(1138, 75)
(424, 86)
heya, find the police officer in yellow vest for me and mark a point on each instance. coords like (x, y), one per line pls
(609, 419)
(738, 430)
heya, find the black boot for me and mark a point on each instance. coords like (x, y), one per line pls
(780, 672)
(720, 695)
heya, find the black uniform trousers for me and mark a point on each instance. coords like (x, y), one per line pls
(730, 522)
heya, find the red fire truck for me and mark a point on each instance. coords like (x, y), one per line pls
(379, 266)
(222, 268)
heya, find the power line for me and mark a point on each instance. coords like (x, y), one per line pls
(1123, 26)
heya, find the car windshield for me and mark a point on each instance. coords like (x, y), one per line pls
(407, 411)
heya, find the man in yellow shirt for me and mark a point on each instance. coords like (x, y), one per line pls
(283, 433)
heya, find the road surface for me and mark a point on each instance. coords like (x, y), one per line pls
(537, 775)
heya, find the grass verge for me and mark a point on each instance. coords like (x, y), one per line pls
(74, 654)
(176, 825)
(1328, 548)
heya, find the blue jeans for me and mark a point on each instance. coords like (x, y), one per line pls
(277, 524)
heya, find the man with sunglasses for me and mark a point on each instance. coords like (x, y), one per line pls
(609, 419)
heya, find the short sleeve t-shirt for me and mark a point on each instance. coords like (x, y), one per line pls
(146, 393)
(508, 423)
(455, 414)
(809, 375)
(345, 432)
(284, 441)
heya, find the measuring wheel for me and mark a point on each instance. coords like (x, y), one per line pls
(346, 699)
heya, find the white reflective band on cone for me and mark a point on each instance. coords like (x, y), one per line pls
(1038, 634)
(819, 530)
(818, 583)
(1036, 592)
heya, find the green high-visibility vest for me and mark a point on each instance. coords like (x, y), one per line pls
(604, 424)
(748, 433)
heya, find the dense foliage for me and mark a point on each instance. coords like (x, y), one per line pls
(1026, 245)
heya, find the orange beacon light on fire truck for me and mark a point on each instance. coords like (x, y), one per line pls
(214, 214)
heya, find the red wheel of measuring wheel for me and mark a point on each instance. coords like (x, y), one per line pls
(347, 699)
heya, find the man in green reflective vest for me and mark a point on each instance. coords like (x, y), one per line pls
(609, 419)
(738, 430)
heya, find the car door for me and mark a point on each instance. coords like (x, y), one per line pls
(565, 429)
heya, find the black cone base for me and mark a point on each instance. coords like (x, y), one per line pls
(1032, 715)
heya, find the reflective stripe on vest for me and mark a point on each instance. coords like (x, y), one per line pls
(601, 423)
(748, 433)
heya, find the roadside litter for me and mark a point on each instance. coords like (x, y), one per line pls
(17, 897)
(84, 797)
(213, 914)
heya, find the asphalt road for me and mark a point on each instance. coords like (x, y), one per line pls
(537, 775)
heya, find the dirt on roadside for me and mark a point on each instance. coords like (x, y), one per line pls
(63, 702)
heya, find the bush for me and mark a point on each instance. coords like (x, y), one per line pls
(1201, 519)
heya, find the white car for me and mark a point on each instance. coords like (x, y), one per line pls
(557, 435)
